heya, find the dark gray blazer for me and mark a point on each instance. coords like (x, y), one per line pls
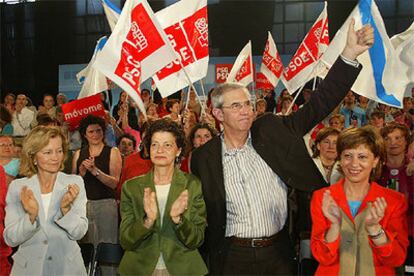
(279, 141)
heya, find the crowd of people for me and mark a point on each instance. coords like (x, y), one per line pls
(224, 187)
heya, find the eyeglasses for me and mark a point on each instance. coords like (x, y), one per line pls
(236, 107)
(6, 145)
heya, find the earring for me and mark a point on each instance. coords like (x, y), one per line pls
(35, 163)
(177, 159)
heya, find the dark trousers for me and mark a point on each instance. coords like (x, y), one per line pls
(277, 259)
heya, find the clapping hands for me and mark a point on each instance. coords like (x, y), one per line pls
(179, 206)
(330, 209)
(68, 198)
(150, 207)
(29, 202)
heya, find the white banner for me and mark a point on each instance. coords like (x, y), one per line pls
(242, 70)
(186, 25)
(136, 49)
(272, 66)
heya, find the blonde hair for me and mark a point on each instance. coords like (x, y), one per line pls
(34, 142)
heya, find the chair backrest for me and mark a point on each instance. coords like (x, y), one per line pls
(109, 253)
(88, 251)
(106, 254)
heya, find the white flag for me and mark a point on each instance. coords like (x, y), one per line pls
(301, 68)
(93, 81)
(272, 66)
(136, 49)
(186, 25)
(242, 70)
(379, 80)
(112, 13)
(404, 47)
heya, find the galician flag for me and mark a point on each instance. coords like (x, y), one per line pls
(93, 81)
(380, 79)
(112, 13)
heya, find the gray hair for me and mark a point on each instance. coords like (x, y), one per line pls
(218, 92)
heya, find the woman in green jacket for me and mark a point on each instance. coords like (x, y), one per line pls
(163, 212)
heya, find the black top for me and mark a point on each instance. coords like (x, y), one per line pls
(95, 189)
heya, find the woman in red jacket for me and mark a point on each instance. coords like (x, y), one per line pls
(5, 250)
(359, 227)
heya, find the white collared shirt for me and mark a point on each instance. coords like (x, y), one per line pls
(256, 198)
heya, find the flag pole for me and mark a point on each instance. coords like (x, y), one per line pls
(314, 83)
(294, 100)
(301, 88)
(203, 105)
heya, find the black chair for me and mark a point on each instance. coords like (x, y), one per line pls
(88, 251)
(107, 254)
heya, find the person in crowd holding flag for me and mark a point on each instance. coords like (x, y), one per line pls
(246, 171)
(285, 103)
(23, 117)
(354, 116)
(283, 94)
(173, 107)
(100, 166)
(163, 212)
(46, 210)
(146, 97)
(397, 170)
(359, 227)
(324, 154)
(125, 105)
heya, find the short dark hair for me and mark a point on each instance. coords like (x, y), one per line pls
(352, 138)
(165, 125)
(378, 114)
(170, 104)
(45, 120)
(128, 136)
(90, 120)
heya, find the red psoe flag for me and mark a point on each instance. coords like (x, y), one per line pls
(186, 25)
(137, 48)
(301, 68)
(242, 71)
(272, 66)
(262, 82)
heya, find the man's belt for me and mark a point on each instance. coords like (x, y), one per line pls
(254, 242)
